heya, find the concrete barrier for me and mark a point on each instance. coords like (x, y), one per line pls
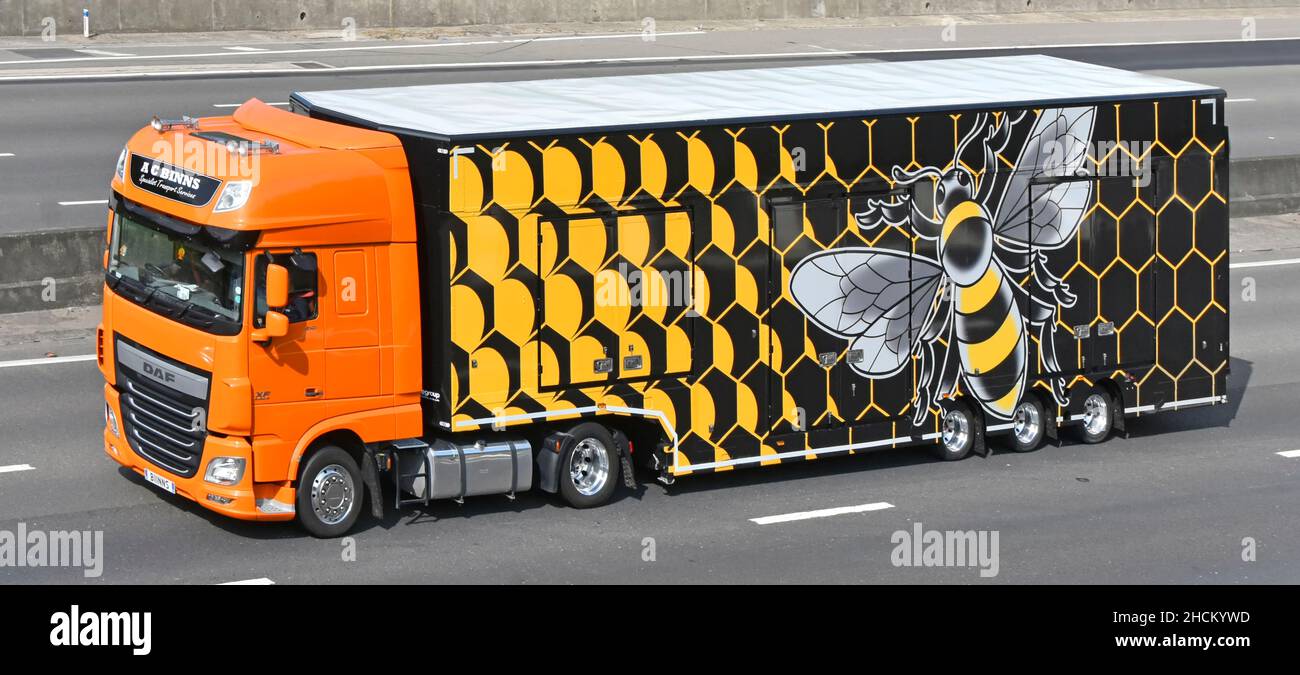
(48, 270)
(27, 17)
(1265, 186)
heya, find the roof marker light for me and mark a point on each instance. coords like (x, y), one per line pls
(160, 125)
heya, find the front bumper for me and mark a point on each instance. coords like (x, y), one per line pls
(246, 500)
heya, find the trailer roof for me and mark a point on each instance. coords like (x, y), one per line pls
(495, 109)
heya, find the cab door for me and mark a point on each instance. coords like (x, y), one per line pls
(352, 353)
(288, 373)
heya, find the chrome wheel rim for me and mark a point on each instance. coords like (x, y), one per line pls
(1096, 414)
(955, 431)
(1027, 424)
(332, 494)
(589, 466)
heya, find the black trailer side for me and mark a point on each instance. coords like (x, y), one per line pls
(874, 254)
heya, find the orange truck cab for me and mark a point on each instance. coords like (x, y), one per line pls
(250, 322)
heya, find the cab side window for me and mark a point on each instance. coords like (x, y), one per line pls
(304, 286)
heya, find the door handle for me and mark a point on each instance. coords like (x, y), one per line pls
(313, 392)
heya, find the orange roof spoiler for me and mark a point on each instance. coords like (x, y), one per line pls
(255, 115)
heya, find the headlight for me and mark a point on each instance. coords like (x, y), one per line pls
(225, 470)
(111, 420)
(121, 165)
(234, 196)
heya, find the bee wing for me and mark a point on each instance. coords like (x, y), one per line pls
(879, 298)
(1056, 146)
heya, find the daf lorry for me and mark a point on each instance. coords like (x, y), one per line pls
(388, 296)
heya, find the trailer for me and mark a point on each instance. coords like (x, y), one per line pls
(704, 271)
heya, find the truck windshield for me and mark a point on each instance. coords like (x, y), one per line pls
(194, 282)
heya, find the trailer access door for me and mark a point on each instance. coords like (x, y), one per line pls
(1109, 268)
(616, 298)
(822, 380)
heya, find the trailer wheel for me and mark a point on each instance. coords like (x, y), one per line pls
(589, 469)
(956, 433)
(330, 493)
(1098, 416)
(1028, 425)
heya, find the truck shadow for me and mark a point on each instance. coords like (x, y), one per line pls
(1203, 417)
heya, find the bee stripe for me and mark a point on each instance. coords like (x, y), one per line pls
(994, 384)
(1007, 404)
(973, 298)
(982, 322)
(959, 213)
(985, 355)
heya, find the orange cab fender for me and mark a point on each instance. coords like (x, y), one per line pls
(368, 426)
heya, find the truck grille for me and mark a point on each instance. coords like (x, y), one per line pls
(163, 424)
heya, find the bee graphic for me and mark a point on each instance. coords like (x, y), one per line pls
(893, 304)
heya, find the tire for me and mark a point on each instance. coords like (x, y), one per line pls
(590, 466)
(1028, 425)
(330, 493)
(1098, 416)
(957, 433)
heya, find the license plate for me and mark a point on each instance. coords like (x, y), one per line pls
(161, 482)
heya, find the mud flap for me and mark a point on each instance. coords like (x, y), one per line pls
(979, 444)
(625, 458)
(548, 460)
(370, 476)
(1051, 430)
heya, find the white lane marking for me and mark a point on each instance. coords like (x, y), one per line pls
(260, 581)
(540, 62)
(87, 202)
(245, 49)
(50, 360)
(1263, 263)
(1238, 100)
(236, 105)
(101, 52)
(1290, 454)
(823, 513)
(6, 154)
(378, 47)
(17, 467)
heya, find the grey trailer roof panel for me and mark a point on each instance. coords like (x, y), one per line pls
(478, 109)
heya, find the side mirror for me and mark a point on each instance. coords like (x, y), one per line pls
(276, 325)
(277, 286)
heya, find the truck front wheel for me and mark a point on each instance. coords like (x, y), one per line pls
(329, 493)
(589, 468)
